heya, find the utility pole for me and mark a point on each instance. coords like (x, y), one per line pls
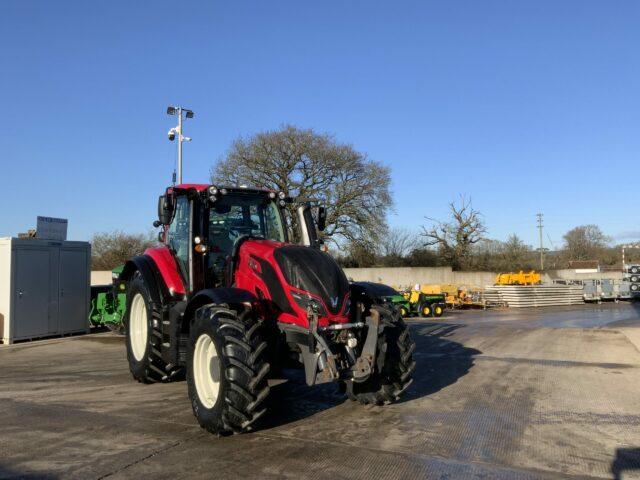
(178, 130)
(179, 145)
(539, 215)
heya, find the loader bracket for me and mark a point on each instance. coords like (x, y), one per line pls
(318, 360)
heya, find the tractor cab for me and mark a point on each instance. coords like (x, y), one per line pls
(203, 227)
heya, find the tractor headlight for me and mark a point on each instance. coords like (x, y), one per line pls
(213, 193)
(304, 301)
(281, 195)
(272, 194)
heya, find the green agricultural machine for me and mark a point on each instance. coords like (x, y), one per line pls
(107, 306)
(413, 304)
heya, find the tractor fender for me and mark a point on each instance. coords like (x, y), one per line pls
(151, 275)
(168, 269)
(371, 293)
(228, 295)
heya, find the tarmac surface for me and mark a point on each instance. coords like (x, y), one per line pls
(541, 393)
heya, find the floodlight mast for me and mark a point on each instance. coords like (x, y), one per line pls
(189, 114)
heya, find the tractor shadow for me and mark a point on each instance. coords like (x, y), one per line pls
(439, 362)
(626, 462)
(9, 473)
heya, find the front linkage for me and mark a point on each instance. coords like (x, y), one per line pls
(370, 357)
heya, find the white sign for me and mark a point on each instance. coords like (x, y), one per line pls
(50, 228)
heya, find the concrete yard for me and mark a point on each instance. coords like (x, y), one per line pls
(546, 393)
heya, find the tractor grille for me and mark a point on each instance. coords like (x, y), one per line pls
(315, 272)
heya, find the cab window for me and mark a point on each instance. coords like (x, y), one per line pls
(178, 234)
(235, 216)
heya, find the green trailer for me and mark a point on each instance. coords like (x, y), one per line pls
(109, 303)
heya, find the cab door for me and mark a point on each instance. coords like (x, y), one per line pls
(179, 238)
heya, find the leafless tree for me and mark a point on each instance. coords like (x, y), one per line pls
(398, 242)
(585, 242)
(304, 163)
(110, 249)
(454, 238)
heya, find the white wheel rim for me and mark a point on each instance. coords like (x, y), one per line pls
(138, 326)
(206, 370)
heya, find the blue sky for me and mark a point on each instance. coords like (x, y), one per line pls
(523, 106)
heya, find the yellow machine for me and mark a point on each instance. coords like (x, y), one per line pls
(520, 278)
(455, 296)
(451, 292)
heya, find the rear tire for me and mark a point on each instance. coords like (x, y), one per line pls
(143, 345)
(425, 310)
(438, 310)
(394, 366)
(226, 369)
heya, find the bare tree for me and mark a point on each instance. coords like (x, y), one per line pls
(398, 242)
(110, 249)
(396, 245)
(585, 242)
(303, 163)
(454, 238)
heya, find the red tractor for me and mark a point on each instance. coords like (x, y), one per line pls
(228, 298)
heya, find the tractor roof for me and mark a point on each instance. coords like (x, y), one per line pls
(201, 187)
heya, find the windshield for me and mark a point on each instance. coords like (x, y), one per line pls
(236, 216)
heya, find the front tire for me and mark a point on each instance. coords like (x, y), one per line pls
(226, 369)
(394, 365)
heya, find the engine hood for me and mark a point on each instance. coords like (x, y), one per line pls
(313, 271)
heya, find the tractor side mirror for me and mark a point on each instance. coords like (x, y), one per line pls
(165, 209)
(322, 218)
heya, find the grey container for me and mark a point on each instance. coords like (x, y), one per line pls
(44, 288)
